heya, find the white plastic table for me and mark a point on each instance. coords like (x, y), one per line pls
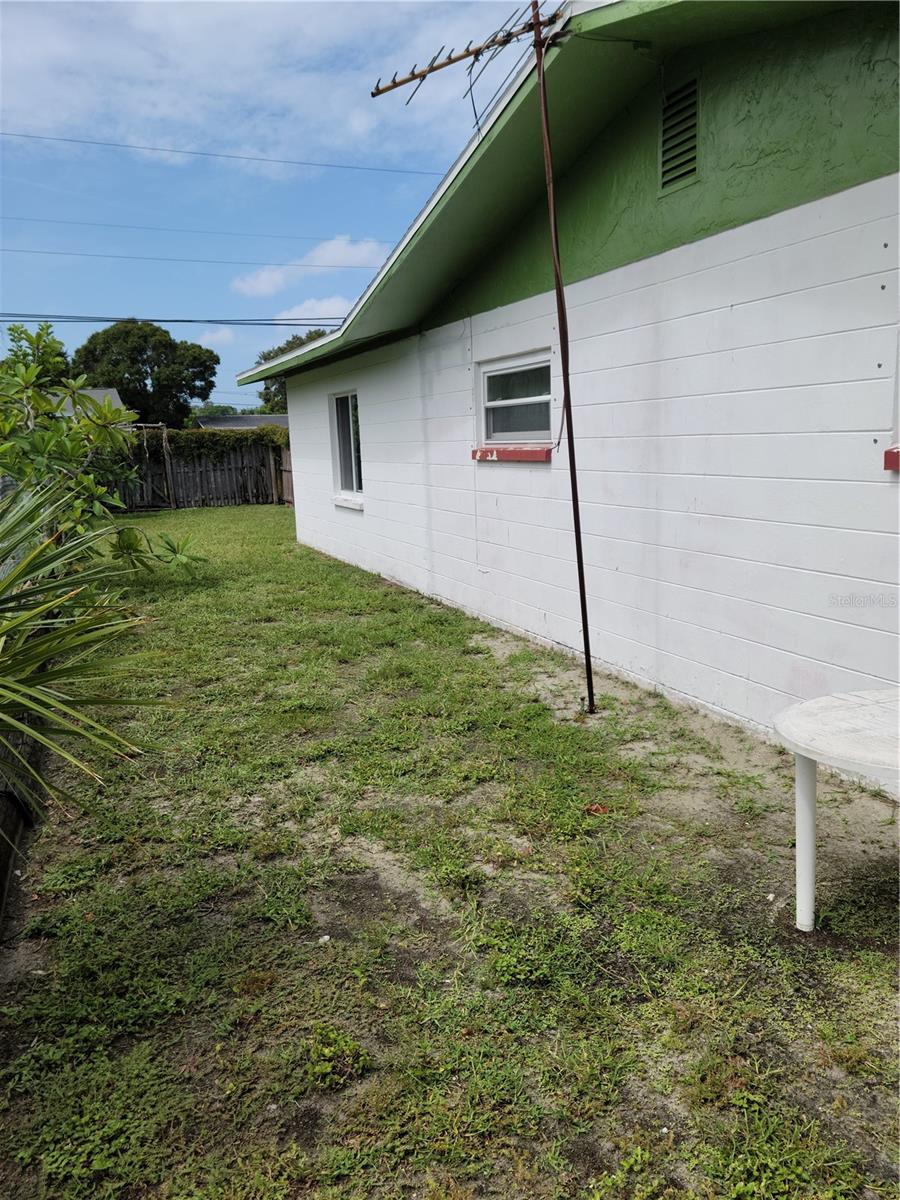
(854, 732)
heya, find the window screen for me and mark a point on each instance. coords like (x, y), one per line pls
(346, 412)
(517, 404)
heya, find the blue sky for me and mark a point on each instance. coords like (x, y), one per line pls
(281, 80)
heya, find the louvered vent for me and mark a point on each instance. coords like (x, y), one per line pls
(678, 152)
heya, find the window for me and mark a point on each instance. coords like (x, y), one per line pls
(517, 403)
(678, 136)
(349, 459)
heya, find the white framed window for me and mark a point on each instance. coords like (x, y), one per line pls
(516, 401)
(347, 452)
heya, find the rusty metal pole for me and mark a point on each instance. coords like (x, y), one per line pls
(562, 321)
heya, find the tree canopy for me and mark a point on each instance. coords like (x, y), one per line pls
(273, 393)
(39, 349)
(206, 409)
(154, 374)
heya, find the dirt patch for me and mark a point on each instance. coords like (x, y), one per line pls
(305, 1126)
(502, 645)
(723, 781)
(858, 1110)
(21, 958)
(395, 877)
(588, 1156)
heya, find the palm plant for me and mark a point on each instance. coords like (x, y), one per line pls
(56, 614)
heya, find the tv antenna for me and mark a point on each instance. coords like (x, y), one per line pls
(497, 41)
(536, 27)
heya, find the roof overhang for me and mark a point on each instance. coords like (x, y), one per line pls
(604, 55)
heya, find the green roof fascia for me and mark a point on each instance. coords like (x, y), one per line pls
(321, 352)
(473, 202)
(676, 23)
(339, 344)
(328, 347)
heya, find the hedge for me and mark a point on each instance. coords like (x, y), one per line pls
(212, 444)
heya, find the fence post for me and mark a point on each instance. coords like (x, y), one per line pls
(167, 464)
(287, 477)
(273, 476)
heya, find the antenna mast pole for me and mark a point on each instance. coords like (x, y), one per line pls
(562, 321)
(535, 26)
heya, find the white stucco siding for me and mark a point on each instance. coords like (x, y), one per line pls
(733, 399)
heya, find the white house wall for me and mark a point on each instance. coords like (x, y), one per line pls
(732, 402)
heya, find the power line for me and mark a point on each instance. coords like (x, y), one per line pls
(242, 395)
(286, 162)
(248, 398)
(248, 322)
(283, 237)
(222, 262)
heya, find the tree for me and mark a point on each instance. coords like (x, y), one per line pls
(274, 393)
(39, 349)
(59, 439)
(211, 410)
(154, 374)
(58, 434)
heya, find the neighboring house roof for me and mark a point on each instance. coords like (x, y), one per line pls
(97, 394)
(498, 178)
(103, 393)
(243, 421)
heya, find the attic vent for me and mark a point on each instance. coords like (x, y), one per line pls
(678, 147)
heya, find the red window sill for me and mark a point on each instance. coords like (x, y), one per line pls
(892, 458)
(528, 454)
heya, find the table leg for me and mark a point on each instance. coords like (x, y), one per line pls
(805, 812)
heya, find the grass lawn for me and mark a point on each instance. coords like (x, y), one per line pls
(381, 914)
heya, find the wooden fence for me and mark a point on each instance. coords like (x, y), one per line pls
(287, 477)
(251, 474)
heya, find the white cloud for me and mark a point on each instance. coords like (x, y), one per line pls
(338, 252)
(318, 310)
(262, 78)
(216, 337)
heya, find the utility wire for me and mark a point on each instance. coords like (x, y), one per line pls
(487, 107)
(512, 20)
(222, 262)
(287, 162)
(283, 237)
(515, 67)
(243, 395)
(515, 15)
(248, 322)
(473, 79)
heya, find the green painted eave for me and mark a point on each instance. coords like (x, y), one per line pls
(674, 24)
(601, 61)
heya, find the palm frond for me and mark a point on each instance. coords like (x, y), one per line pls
(57, 613)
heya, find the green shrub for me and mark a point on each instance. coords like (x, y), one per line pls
(215, 445)
(56, 613)
(56, 433)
